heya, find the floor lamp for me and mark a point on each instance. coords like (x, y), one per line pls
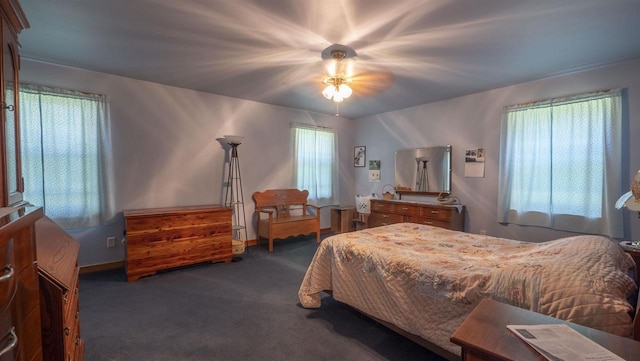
(235, 199)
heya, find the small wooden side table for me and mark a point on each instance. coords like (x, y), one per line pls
(342, 219)
(484, 335)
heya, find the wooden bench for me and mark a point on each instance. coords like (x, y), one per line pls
(283, 213)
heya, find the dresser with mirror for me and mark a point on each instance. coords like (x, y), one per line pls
(423, 191)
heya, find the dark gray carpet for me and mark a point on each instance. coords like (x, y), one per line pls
(247, 310)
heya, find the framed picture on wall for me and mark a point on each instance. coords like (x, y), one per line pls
(359, 156)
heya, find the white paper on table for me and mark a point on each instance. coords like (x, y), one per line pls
(561, 342)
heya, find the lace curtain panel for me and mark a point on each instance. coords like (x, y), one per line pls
(314, 163)
(560, 164)
(65, 148)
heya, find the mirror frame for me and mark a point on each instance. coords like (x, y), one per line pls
(446, 188)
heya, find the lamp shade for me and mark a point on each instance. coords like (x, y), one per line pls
(631, 199)
(234, 139)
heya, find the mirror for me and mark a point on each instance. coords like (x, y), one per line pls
(424, 170)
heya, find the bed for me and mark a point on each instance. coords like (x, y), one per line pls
(422, 281)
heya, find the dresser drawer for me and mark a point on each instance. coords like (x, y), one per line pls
(436, 213)
(382, 219)
(8, 273)
(406, 209)
(430, 222)
(381, 206)
(385, 212)
(8, 334)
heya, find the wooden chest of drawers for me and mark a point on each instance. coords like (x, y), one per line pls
(58, 274)
(19, 296)
(385, 212)
(163, 238)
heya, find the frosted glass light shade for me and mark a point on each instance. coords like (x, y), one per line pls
(345, 90)
(337, 93)
(329, 91)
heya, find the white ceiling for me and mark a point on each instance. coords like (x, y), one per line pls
(409, 52)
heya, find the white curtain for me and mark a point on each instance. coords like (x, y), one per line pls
(560, 164)
(314, 162)
(65, 148)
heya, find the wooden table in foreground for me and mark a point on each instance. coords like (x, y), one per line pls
(484, 335)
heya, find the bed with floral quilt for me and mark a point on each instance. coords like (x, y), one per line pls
(423, 281)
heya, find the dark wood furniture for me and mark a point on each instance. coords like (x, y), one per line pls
(286, 215)
(484, 335)
(59, 301)
(631, 250)
(20, 337)
(13, 22)
(163, 238)
(384, 212)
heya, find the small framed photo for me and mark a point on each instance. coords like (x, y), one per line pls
(359, 156)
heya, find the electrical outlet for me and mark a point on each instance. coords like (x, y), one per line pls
(483, 232)
(111, 242)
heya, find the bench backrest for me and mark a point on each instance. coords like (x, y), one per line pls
(281, 200)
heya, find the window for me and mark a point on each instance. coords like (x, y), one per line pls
(314, 157)
(560, 164)
(62, 142)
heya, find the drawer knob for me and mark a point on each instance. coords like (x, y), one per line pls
(67, 331)
(385, 216)
(435, 212)
(13, 342)
(428, 223)
(404, 208)
(7, 273)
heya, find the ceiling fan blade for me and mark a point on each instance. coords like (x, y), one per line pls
(371, 82)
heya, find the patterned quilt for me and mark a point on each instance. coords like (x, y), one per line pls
(426, 280)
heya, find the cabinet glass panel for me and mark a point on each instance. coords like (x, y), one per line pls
(11, 128)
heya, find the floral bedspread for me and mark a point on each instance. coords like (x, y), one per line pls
(426, 279)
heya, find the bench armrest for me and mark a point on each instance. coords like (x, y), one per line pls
(266, 211)
(317, 209)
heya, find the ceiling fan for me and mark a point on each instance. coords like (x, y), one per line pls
(344, 74)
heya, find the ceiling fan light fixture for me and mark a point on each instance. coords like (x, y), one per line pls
(338, 69)
(345, 90)
(337, 89)
(329, 91)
